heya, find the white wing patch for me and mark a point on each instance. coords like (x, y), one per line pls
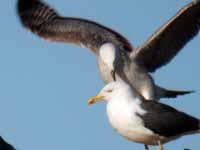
(107, 53)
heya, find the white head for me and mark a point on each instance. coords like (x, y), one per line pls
(107, 53)
(113, 90)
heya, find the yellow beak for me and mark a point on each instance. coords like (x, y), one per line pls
(95, 99)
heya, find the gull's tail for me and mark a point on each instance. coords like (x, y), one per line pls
(199, 127)
(165, 93)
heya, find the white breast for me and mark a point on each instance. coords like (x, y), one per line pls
(123, 117)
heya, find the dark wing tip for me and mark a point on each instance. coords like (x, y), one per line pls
(26, 5)
(33, 13)
(25, 10)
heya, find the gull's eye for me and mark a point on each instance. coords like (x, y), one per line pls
(109, 91)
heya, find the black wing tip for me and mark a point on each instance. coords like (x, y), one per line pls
(24, 9)
(33, 13)
(24, 5)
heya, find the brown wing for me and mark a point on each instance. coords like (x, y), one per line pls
(166, 42)
(44, 21)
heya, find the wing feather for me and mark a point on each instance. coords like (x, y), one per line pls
(167, 41)
(167, 121)
(41, 19)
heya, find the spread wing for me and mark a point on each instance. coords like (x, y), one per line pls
(41, 19)
(166, 42)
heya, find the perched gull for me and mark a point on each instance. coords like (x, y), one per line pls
(116, 56)
(147, 122)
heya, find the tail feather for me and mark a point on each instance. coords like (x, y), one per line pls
(199, 126)
(165, 93)
(174, 94)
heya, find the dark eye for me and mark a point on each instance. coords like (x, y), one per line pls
(109, 91)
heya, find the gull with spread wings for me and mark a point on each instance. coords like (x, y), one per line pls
(117, 58)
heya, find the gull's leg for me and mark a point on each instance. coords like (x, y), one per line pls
(160, 146)
(146, 147)
(113, 74)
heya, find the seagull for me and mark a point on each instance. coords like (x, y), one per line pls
(142, 121)
(116, 57)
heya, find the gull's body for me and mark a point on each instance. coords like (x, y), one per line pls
(132, 65)
(146, 122)
(129, 72)
(127, 69)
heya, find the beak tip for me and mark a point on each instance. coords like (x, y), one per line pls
(94, 100)
(90, 102)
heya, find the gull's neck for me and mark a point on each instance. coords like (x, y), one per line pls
(123, 111)
(125, 101)
(122, 101)
(107, 53)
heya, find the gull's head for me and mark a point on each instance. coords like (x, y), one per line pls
(107, 53)
(113, 90)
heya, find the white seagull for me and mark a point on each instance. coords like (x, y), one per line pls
(146, 122)
(117, 59)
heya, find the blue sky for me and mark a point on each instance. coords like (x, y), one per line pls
(44, 86)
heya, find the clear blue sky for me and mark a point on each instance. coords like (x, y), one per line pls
(44, 86)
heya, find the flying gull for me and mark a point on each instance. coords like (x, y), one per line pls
(146, 122)
(117, 58)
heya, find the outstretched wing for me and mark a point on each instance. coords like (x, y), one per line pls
(48, 24)
(166, 42)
